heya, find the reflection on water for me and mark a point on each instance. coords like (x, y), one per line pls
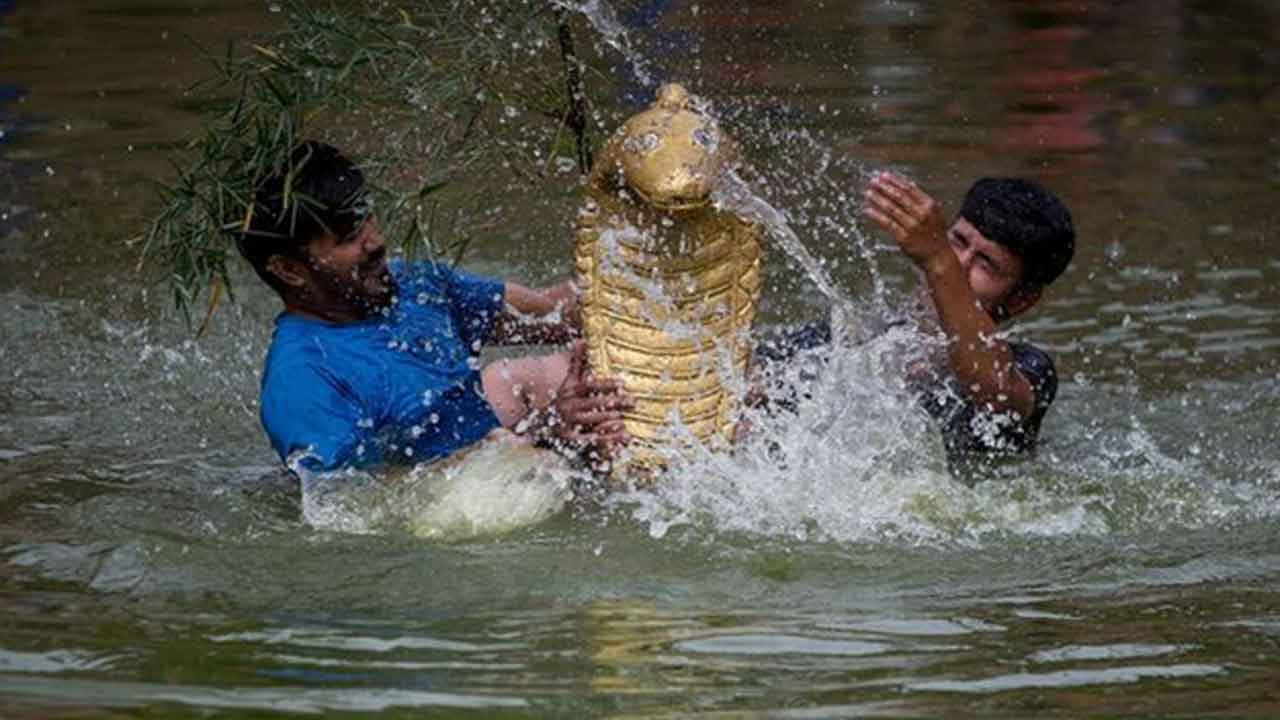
(609, 657)
(153, 557)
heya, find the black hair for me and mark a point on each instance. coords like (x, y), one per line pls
(1026, 218)
(319, 191)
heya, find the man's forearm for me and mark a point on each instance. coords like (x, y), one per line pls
(981, 362)
(538, 316)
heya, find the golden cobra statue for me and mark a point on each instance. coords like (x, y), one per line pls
(669, 282)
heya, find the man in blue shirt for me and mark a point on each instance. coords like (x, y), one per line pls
(374, 362)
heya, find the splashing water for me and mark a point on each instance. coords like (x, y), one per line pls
(732, 194)
(605, 21)
(500, 485)
(857, 461)
(845, 465)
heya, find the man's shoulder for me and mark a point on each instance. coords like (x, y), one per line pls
(973, 436)
(420, 275)
(290, 364)
(296, 339)
(302, 351)
(1031, 354)
(1036, 365)
(307, 370)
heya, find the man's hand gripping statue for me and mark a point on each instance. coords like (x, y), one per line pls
(583, 417)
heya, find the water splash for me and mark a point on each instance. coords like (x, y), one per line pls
(500, 485)
(857, 460)
(732, 194)
(850, 462)
(605, 20)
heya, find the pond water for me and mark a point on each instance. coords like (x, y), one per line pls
(155, 560)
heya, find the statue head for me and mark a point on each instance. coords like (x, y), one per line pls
(671, 153)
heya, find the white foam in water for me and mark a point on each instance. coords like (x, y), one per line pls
(848, 464)
(499, 485)
(502, 485)
(856, 460)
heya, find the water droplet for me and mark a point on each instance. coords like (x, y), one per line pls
(705, 138)
(1114, 251)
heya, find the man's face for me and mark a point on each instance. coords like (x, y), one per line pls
(351, 272)
(993, 271)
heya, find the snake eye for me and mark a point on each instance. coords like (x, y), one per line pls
(642, 144)
(705, 138)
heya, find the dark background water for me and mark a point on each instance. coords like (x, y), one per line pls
(155, 561)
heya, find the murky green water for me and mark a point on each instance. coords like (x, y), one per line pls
(156, 562)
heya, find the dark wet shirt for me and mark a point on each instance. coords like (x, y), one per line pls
(973, 435)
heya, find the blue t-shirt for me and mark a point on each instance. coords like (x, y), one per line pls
(400, 387)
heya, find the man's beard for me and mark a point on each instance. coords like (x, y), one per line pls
(375, 279)
(369, 288)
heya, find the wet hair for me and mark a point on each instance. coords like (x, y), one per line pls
(319, 192)
(1026, 218)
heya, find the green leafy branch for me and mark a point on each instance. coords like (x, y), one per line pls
(415, 92)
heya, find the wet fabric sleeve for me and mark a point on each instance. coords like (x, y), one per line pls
(475, 302)
(452, 417)
(315, 420)
(1037, 367)
(969, 432)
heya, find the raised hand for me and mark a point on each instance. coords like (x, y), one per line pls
(911, 216)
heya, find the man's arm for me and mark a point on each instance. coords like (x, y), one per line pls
(557, 403)
(314, 422)
(981, 362)
(546, 316)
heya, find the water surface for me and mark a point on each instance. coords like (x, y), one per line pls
(156, 560)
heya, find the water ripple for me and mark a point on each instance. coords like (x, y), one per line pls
(1067, 678)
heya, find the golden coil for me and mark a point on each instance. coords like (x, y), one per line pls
(669, 283)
